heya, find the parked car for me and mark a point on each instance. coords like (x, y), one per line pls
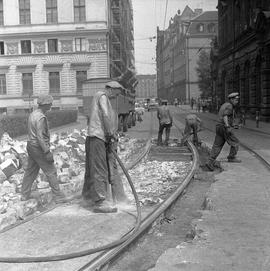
(152, 106)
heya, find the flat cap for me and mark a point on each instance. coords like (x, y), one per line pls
(233, 95)
(113, 84)
(44, 99)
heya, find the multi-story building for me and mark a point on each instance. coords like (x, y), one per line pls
(52, 46)
(147, 86)
(178, 49)
(241, 56)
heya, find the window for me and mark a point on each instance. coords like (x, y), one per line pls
(200, 27)
(211, 28)
(80, 77)
(79, 10)
(24, 8)
(1, 13)
(51, 11)
(26, 46)
(27, 84)
(80, 44)
(3, 89)
(54, 82)
(2, 49)
(52, 45)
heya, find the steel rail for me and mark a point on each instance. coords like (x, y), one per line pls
(106, 257)
(101, 248)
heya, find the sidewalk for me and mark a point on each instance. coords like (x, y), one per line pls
(264, 127)
(233, 233)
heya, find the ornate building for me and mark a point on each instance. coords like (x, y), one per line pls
(178, 50)
(241, 56)
(52, 46)
(147, 86)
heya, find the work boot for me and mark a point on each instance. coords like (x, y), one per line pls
(210, 165)
(60, 198)
(25, 198)
(104, 207)
(234, 160)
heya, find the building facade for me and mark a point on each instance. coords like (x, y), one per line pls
(52, 46)
(178, 50)
(241, 56)
(147, 86)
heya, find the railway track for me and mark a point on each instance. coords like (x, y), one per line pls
(106, 257)
(175, 153)
(263, 160)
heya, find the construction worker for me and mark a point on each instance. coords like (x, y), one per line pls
(39, 154)
(102, 129)
(193, 126)
(165, 122)
(224, 132)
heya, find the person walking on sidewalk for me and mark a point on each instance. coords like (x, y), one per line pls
(165, 122)
(39, 154)
(224, 132)
(193, 126)
(101, 133)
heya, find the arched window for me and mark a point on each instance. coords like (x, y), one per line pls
(258, 81)
(211, 28)
(200, 27)
(224, 91)
(246, 91)
(237, 79)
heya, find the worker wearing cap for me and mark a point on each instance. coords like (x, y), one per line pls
(224, 132)
(193, 126)
(39, 154)
(102, 128)
(165, 122)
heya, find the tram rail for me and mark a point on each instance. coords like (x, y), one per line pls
(106, 257)
(118, 246)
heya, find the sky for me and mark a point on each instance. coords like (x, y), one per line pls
(148, 14)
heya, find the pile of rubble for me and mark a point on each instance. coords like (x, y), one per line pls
(69, 156)
(153, 179)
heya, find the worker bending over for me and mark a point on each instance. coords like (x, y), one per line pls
(193, 126)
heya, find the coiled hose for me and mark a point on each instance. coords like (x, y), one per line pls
(62, 257)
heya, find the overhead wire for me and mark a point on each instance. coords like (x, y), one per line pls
(165, 16)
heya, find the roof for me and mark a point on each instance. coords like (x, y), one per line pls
(207, 16)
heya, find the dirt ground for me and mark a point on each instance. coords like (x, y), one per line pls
(171, 229)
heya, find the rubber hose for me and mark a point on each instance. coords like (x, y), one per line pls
(86, 252)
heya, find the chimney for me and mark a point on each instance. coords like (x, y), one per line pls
(198, 11)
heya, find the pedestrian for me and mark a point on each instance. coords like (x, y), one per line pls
(199, 105)
(165, 122)
(139, 114)
(204, 106)
(224, 132)
(192, 102)
(39, 154)
(193, 126)
(102, 129)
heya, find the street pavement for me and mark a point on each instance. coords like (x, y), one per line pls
(233, 232)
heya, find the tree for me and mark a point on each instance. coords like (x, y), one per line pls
(204, 74)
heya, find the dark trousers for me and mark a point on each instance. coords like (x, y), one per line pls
(191, 128)
(222, 136)
(37, 161)
(167, 128)
(100, 170)
(96, 169)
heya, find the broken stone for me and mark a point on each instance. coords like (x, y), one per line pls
(42, 185)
